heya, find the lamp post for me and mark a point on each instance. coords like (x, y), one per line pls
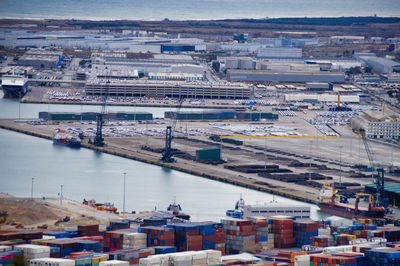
(340, 164)
(309, 173)
(124, 194)
(61, 194)
(32, 188)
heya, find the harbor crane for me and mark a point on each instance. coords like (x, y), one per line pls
(98, 138)
(379, 177)
(167, 153)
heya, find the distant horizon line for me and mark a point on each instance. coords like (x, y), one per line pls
(182, 20)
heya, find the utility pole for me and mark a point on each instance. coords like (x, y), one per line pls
(309, 173)
(340, 164)
(124, 194)
(32, 188)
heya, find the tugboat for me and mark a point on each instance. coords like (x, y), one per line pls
(238, 211)
(175, 210)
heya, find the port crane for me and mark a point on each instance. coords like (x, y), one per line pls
(98, 138)
(167, 153)
(379, 178)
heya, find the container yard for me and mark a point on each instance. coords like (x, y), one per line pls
(273, 240)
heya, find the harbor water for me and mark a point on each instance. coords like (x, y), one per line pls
(88, 174)
(191, 9)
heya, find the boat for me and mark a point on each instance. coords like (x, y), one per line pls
(175, 210)
(273, 208)
(238, 211)
(14, 86)
(100, 206)
(327, 203)
(62, 137)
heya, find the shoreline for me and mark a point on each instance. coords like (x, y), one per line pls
(241, 183)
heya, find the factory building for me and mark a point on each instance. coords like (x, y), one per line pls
(280, 52)
(241, 47)
(240, 63)
(269, 76)
(381, 65)
(383, 130)
(328, 98)
(319, 86)
(168, 48)
(168, 89)
(221, 115)
(287, 66)
(40, 58)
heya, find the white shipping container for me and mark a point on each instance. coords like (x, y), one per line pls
(302, 260)
(51, 262)
(5, 248)
(114, 262)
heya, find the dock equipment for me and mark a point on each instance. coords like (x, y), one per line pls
(167, 153)
(98, 139)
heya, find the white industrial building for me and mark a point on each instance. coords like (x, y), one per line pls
(240, 47)
(287, 66)
(240, 63)
(280, 52)
(328, 98)
(384, 130)
(271, 76)
(381, 65)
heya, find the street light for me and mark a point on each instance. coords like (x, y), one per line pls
(61, 194)
(124, 193)
(340, 163)
(32, 188)
(309, 173)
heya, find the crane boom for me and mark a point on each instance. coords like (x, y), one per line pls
(167, 153)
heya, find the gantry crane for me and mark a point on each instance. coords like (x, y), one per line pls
(98, 139)
(167, 153)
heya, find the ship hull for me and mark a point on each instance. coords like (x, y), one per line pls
(71, 144)
(348, 213)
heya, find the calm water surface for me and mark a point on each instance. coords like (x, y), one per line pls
(194, 9)
(92, 175)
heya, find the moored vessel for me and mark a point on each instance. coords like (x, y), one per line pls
(62, 137)
(327, 203)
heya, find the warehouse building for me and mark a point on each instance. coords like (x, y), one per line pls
(168, 89)
(269, 76)
(221, 115)
(392, 192)
(240, 63)
(89, 116)
(381, 65)
(383, 130)
(331, 98)
(41, 58)
(319, 86)
(280, 52)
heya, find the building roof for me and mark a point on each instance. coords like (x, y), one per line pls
(394, 188)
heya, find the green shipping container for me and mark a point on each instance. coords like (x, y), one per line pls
(208, 154)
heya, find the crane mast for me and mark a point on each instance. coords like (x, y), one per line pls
(98, 139)
(167, 153)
